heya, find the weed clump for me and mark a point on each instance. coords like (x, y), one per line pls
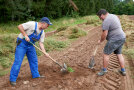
(62, 28)
(52, 44)
(76, 33)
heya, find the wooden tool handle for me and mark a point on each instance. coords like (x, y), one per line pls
(45, 54)
(42, 51)
(95, 50)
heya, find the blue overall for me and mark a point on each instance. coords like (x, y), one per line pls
(23, 48)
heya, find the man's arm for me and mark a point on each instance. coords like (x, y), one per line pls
(20, 27)
(103, 36)
(43, 49)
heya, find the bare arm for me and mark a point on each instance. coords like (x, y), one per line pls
(43, 49)
(20, 27)
(103, 36)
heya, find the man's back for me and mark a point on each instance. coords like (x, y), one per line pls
(112, 24)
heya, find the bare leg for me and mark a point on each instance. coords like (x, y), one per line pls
(105, 60)
(121, 60)
(105, 64)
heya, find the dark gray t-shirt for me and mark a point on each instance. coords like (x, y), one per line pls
(112, 24)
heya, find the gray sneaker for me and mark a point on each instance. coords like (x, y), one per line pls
(101, 73)
(122, 72)
(13, 83)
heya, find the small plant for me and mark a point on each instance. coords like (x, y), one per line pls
(70, 69)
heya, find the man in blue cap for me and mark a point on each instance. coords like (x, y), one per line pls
(30, 32)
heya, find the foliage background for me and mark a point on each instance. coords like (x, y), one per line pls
(21, 10)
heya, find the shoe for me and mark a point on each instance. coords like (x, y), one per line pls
(101, 73)
(13, 83)
(41, 76)
(122, 72)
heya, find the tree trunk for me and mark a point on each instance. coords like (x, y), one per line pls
(74, 5)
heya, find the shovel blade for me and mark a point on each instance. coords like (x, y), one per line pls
(92, 63)
(63, 70)
(65, 66)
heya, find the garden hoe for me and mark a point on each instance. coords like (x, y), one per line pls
(92, 61)
(64, 68)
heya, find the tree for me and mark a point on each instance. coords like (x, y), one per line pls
(74, 5)
(4, 11)
(128, 1)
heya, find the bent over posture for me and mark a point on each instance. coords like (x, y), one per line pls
(113, 33)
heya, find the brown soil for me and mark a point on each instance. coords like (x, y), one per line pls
(131, 17)
(77, 56)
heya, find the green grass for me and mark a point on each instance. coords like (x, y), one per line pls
(62, 28)
(76, 33)
(129, 53)
(10, 27)
(61, 22)
(72, 32)
(66, 21)
(52, 44)
(128, 27)
(5, 62)
(4, 72)
(7, 49)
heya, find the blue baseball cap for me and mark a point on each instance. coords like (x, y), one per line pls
(46, 20)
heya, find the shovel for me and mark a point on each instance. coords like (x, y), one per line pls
(64, 68)
(92, 61)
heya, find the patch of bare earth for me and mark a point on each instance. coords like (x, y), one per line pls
(131, 17)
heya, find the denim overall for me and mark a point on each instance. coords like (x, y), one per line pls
(23, 47)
